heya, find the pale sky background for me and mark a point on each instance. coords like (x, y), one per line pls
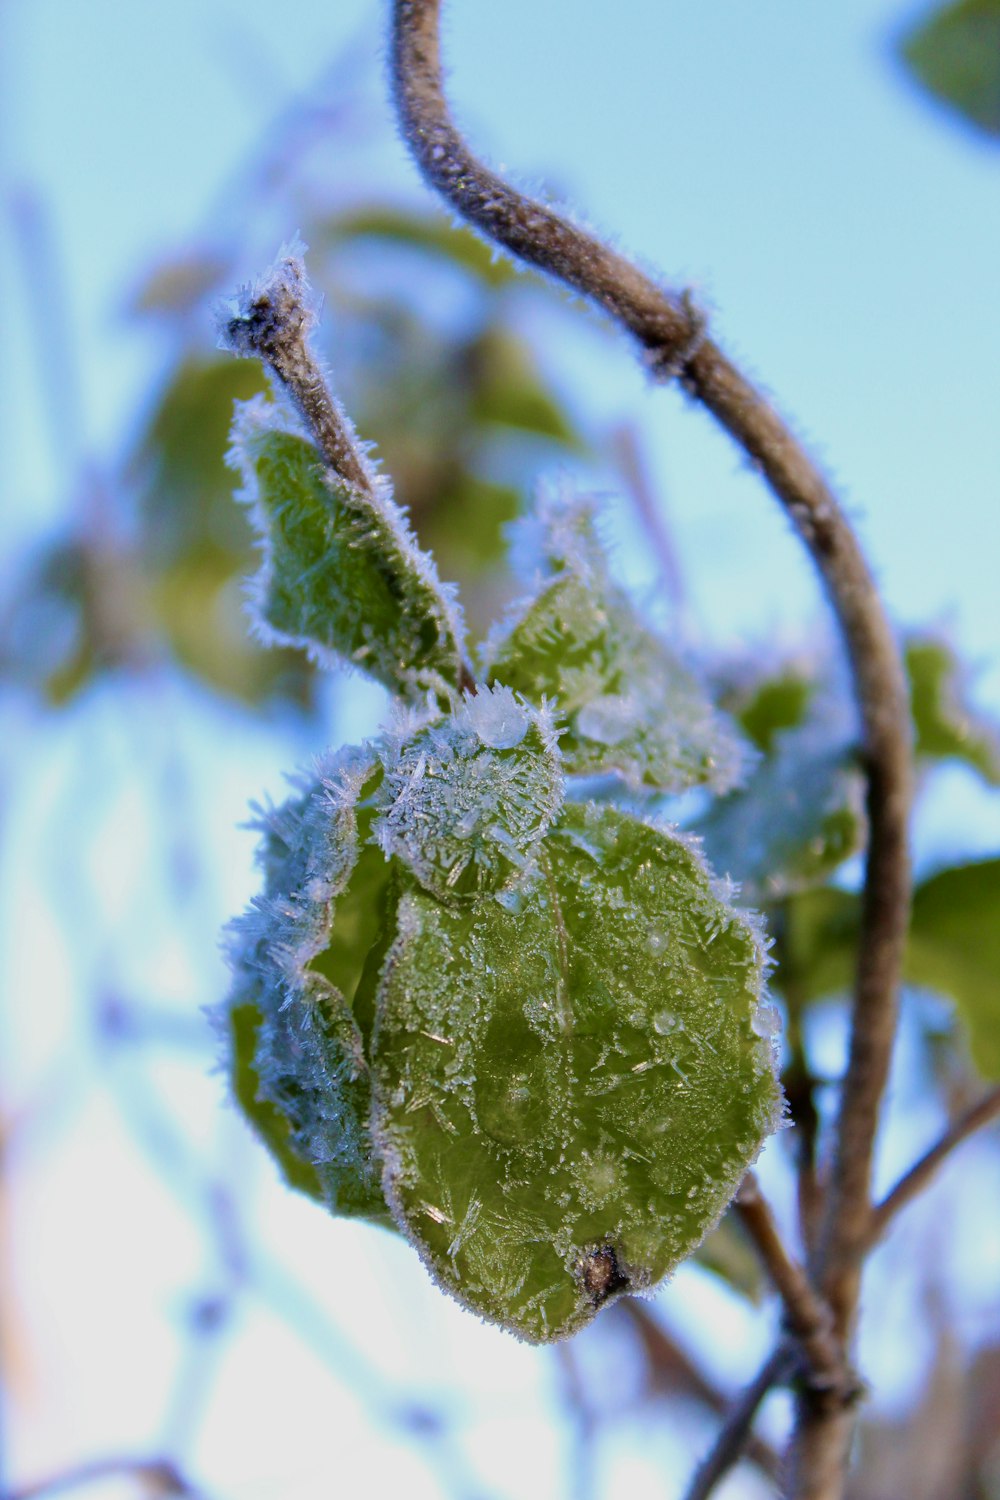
(844, 235)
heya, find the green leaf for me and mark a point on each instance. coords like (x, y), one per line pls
(945, 725)
(628, 703)
(185, 487)
(955, 54)
(771, 706)
(506, 388)
(466, 800)
(301, 999)
(341, 577)
(270, 1122)
(429, 233)
(955, 949)
(728, 1253)
(569, 1082)
(817, 944)
(799, 817)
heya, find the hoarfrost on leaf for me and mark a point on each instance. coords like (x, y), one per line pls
(466, 800)
(799, 817)
(341, 576)
(295, 1014)
(563, 1107)
(629, 703)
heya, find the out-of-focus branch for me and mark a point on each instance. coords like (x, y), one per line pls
(649, 508)
(734, 1440)
(917, 1178)
(672, 1370)
(807, 1317)
(157, 1476)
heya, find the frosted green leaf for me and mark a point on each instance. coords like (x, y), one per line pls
(947, 728)
(301, 1002)
(799, 817)
(629, 703)
(571, 1080)
(341, 577)
(465, 800)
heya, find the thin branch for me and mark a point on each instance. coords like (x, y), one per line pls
(917, 1178)
(158, 1476)
(807, 1317)
(673, 1371)
(734, 1437)
(649, 508)
(272, 321)
(674, 342)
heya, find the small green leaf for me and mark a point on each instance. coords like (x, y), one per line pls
(298, 1010)
(955, 949)
(955, 54)
(629, 704)
(946, 727)
(185, 488)
(569, 1082)
(341, 577)
(466, 800)
(799, 817)
(771, 706)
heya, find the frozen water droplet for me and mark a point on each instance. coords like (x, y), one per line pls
(609, 719)
(497, 717)
(657, 942)
(664, 1022)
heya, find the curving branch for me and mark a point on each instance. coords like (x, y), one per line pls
(673, 341)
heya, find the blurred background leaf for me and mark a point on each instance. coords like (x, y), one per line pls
(954, 53)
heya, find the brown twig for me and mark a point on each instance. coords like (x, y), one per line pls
(917, 1178)
(733, 1440)
(807, 1317)
(272, 321)
(674, 342)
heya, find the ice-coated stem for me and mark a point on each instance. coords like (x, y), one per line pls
(271, 320)
(673, 341)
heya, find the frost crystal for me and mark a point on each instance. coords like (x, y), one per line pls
(466, 800)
